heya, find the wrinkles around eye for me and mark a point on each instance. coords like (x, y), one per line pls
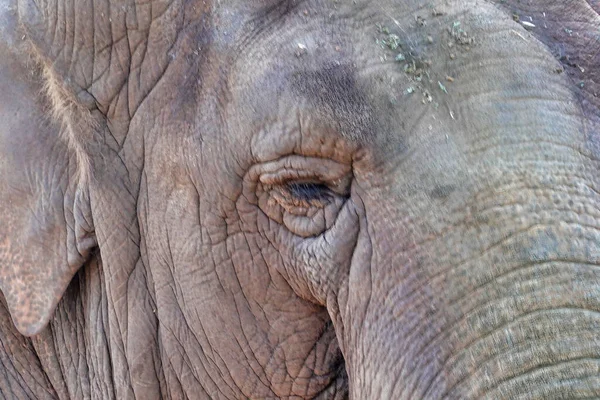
(306, 176)
(302, 193)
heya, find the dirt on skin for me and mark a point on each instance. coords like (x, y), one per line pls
(410, 55)
(573, 39)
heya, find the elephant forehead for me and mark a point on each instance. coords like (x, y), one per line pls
(383, 67)
(397, 78)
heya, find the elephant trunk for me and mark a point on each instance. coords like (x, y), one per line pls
(473, 331)
(474, 306)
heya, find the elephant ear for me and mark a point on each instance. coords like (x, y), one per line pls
(45, 225)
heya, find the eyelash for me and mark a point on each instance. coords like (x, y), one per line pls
(309, 191)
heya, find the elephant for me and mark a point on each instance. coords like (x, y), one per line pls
(317, 199)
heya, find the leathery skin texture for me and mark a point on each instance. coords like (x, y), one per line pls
(299, 199)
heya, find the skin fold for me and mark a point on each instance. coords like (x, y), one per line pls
(299, 199)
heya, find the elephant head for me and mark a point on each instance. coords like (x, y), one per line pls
(300, 199)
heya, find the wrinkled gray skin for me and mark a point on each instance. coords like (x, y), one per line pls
(253, 199)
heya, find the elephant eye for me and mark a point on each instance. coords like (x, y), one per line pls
(299, 197)
(309, 191)
(304, 194)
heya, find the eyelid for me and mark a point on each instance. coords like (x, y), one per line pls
(296, 168)
(287, 175)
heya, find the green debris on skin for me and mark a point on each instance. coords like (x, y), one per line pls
(416, 68)
(383, 29)
(442, 87)
(459, 35)
(412, 65)
(390, 40)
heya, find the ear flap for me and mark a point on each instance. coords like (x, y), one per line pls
(45, 223)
